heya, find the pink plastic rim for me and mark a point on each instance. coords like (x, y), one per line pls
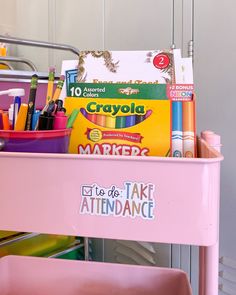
(34, 134)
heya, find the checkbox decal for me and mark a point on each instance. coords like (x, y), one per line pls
(133, 200)
(87, 191)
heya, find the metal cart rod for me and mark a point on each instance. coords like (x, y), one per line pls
(18, 238)
(86, 249)
(67, 250)
(6, 64)
(19, 60)
(43, 44)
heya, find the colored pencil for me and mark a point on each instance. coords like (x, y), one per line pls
(51, 77)
(60, 84)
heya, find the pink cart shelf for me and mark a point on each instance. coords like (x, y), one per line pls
(45, 193)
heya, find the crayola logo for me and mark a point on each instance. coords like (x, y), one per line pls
(115, 109)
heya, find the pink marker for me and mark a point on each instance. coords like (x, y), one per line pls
(60, 121)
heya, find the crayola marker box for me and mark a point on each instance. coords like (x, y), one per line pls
(120, 119)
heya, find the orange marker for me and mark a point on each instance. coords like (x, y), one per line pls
(188, 129)
(21, 118)
(5, 120)
(101, 120)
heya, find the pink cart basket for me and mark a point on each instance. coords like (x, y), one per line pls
(43, 193)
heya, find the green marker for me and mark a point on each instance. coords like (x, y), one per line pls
(72, 118)
(120, 122)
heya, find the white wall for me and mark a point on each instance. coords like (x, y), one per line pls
(215, 62)
(7, 16)
(92, 24)
(8, 20)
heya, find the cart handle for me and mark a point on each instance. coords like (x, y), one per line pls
(6, 64)
(19, 60)
(26, 42)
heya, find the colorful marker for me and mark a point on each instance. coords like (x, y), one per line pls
(120, 122)
(72, 118)
(59, 104)
(92, 118)
(16, 108)
(101, 120)
(188, 129)
(5, 120)
(60, 121)
(60, 84)
(130, 121)
(139, 119)
(148, 114)
(177, 130)
(21, 118)
(46, 121)
(35, 120)
(51, 77)
(31, 103)
(110, 122)
(1, 120)
(83, 112)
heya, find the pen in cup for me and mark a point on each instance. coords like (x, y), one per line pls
(31, 103)
(16, 108)
(21, 118)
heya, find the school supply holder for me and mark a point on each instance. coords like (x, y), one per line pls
(47, 197)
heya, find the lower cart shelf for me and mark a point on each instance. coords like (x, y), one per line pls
(28, 275)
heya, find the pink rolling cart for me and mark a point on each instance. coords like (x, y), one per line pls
(50, 193)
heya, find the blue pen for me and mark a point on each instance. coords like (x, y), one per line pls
(35, 119)
(16, 108)
(177, 129)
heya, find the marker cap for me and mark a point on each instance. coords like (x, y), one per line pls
(177, 116)
(1, 120)
(188, 116)
(5, 120)
(59, 103)
(60, 121)
(45, 122)
(206, 133)
(72, 118)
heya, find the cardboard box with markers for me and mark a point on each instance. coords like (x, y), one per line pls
(129, 104)
(120, 121)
